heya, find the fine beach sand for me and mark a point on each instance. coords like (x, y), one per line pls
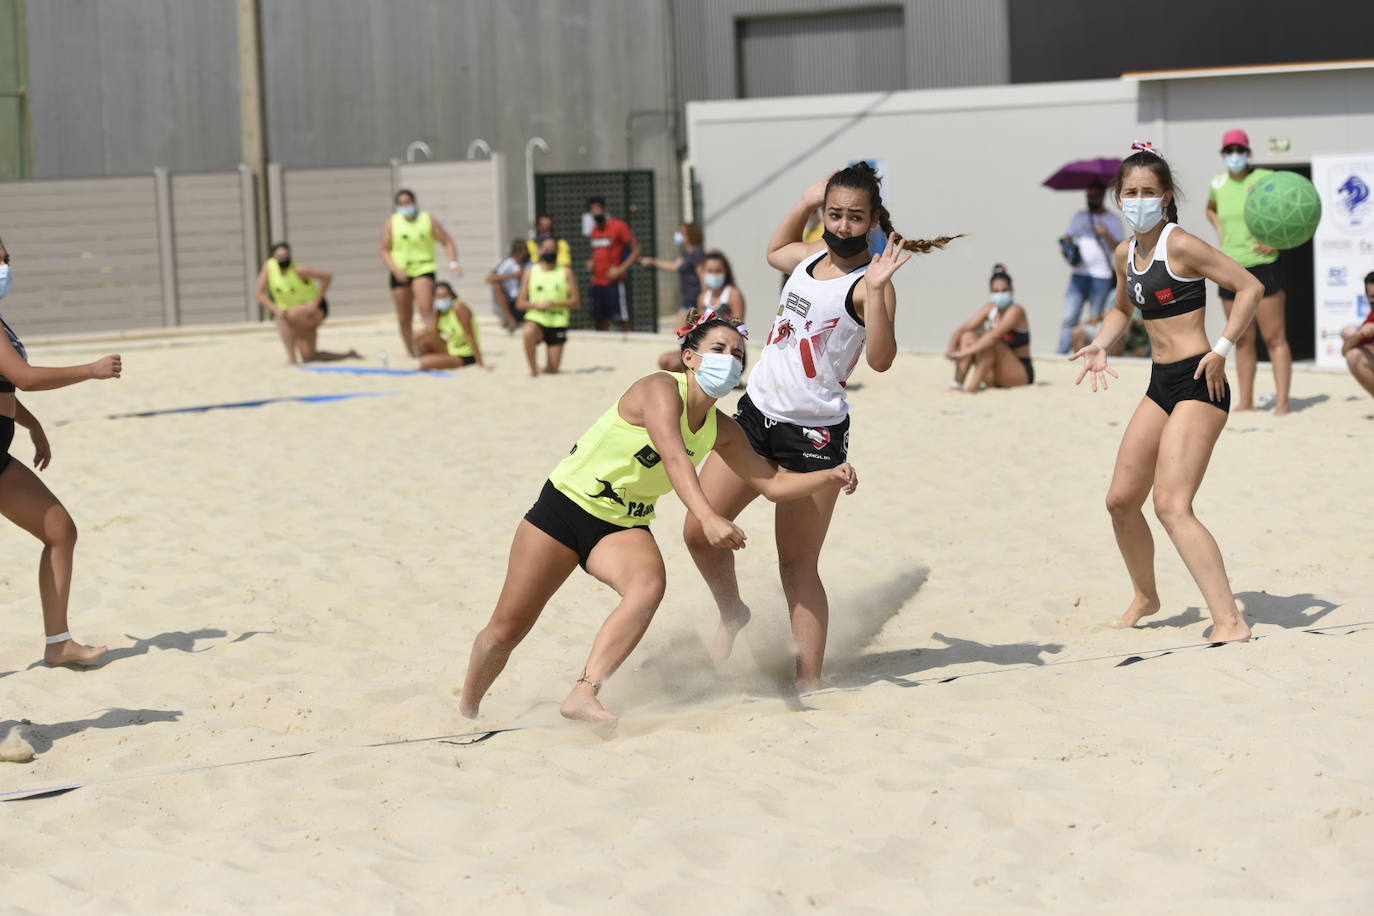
(307, 577)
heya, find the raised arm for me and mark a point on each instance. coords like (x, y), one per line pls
(776, 484)
(878, 305)
(38, 378)
(786, 249)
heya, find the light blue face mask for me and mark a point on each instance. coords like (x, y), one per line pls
(5, 280)
(1143, 213)
(719, 373)
(1001, 300)
(1236, 162)
(677, 239)
(408, 211)
(714, 281)
(443, 305)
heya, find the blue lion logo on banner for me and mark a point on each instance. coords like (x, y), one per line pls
(1354, 192)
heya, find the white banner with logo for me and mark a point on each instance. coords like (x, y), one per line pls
(1343, 247)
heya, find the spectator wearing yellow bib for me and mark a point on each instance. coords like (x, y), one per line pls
(294, 294)
(407, 249)
(548, 294)
(456, 340)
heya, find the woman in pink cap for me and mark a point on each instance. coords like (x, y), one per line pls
(1226, 212)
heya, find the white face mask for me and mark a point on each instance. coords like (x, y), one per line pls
(714, 281)
(5, 280)
(677, 239)
(1236, 162)
(1001, 300)
(443, 305)
(1143, 213)
(719, 373)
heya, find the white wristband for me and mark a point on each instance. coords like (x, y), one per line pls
(1223, 347)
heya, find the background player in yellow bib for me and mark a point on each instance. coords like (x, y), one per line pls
(294, 294)
(596, 507)
(408, 238)
(548, 294)
(456, 341)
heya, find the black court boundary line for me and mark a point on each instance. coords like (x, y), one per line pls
(464, 739)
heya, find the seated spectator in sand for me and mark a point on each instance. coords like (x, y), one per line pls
(505, 285)
(294, 294)
(718, 295)
(456, 340)
(1357, 342)
(992, 348)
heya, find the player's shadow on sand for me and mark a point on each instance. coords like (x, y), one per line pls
(1299, 404)
(42, 737)
(173, 640)
(1292, 612)
(901, 666)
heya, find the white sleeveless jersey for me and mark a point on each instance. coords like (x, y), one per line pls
(814, 344)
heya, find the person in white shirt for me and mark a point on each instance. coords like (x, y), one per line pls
(1095, 233)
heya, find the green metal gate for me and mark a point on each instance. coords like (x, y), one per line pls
(629, 196)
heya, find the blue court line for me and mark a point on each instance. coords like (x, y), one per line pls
(372, 370)
(302, 399)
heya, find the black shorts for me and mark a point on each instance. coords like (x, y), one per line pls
(1030, 369)
(1171, 383)
(609, 303)
(6, 437)
(399, 284)
(1271, 275)
(797, 448)
(569, 524)
(553, 337)
(465, 360)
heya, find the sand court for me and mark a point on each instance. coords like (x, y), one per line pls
(307, 576)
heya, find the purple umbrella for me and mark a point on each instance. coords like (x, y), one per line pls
(1078, 175)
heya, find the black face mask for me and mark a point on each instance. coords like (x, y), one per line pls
(1095, 206)
(548, 257)
(548, 234)
(283, 264)
(845, 248)
(600, 219)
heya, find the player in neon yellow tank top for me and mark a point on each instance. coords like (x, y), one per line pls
(294, 294)
(457, 341)
(407, 250)
(548, 293)
(596, 505)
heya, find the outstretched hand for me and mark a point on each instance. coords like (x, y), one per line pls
(1094, 363)
(881, 268)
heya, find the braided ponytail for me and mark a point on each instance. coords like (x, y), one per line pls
(863, 177)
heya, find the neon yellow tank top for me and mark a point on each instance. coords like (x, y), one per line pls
(451, 330)
(289, 289)
(549, 286)
(614, 473)
(412, 244)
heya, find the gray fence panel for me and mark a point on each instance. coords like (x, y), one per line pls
(84, 253)
(207, 220)
(334, 222)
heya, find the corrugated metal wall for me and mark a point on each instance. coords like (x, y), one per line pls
(855, 51)
(119, 87)
(945, 43)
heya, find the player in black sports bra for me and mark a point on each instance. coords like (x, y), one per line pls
(24, 499)
(1161, 270)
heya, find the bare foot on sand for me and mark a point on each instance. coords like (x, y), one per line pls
(467, 710)
(805, 687)
(731, 622)
(1236, 631)
(583, 705)
(1139, 609)
(71, 652)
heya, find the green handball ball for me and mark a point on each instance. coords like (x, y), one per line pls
(1283, 210)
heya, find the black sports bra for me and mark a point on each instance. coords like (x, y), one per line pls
(6, 386)
(1159, 292)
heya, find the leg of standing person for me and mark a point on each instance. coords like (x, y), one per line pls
(1185, 448)
(538, 567)
(629, 562)
(1132, 479)
(1273, 326)
(801, 526)
(626, 324)
(1247, 361)
(1074, 297)
(531, 335)
(403, 299)
(728, 494)
(26, 502)
(423, 288)
(1361, 363)
(1099, 289)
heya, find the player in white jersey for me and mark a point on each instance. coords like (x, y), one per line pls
(837, 306)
